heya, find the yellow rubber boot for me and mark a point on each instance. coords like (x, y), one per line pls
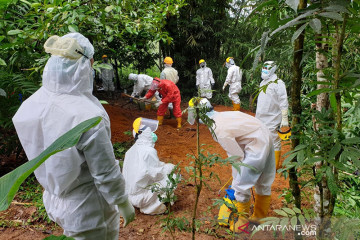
(178, 122)
(243, 210)
(160, 119)
(236, 107)
(261, 208)
(148, 107)
(224, 213)
(277, 159)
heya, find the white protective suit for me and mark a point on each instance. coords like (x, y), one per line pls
(242, 135)
(169, 73)
(83, 184)
(270, 104)
(204, 81)
(107, 76)
(142, 83)
(142, 168)
(233, 78)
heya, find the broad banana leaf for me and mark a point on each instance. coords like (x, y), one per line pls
(10, 183)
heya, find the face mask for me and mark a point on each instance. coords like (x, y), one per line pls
(202, 64)
(154, 137)
(265, 74)
(154, 85)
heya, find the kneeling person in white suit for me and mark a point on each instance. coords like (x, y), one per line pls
(142, 168)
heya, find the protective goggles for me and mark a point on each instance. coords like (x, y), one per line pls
(267, 67)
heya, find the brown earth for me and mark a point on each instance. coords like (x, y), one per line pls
(173, 146)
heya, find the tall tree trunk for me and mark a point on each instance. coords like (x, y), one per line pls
(296, 105)
(296, 110)
(322, 193)
(329, 198)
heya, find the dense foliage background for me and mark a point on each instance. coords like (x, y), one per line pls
(315, 43)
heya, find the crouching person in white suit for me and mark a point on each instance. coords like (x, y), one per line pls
(143, 168)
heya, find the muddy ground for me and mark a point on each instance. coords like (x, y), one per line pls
(173, 146)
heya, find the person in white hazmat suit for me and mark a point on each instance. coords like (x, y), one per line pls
(84, 190)
(171, 74)
(246, 137)
(107, 75)
(142, 82)
(272, 105)
(204, 80)
(233, 78)
(142, 168)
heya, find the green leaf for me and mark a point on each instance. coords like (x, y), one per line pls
(332, 15)
(10, 183)
(281, 212)
(307, 216)
(297, 210)
(14, 32)
(336, 8)
(351, 141)
(315, 24)
(26, 2)
(298, 32)
(4, 3)
(293, 4)
(289, 158)
(334, 150)
(2, 62)
(333, 103)
(73, 28)
(300, 157)
(293, 221)
(270, 219)
(109, 8)
(314, 160)
(300, 147)
(302, 219)
(290, 211)
(293, 22)
(283, 224)
(318, 91)
(237, 164)
(62, 237)
(331, 181)
(35, 5)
